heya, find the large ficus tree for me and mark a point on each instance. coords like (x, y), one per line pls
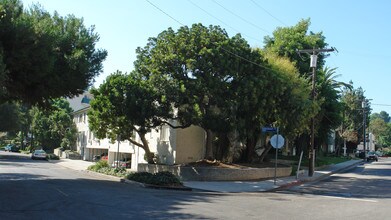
(45, 56)
(127, 104)
(195, 68)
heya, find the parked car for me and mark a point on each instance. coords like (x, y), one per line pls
(372, 156)
(121, 164)
(38, 154)
(104, 156)
(11, 148)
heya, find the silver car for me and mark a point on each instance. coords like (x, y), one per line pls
(38, 154)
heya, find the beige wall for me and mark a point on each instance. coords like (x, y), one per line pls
(176, 147)
(190, 144)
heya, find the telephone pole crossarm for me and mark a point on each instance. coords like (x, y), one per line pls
(316, 51)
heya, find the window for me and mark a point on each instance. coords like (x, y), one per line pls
(164, 133)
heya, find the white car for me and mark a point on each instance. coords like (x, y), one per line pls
(38, 154)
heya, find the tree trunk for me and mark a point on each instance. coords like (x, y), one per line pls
(209, 145)
(250, 151)
(149, 156)
(232, 138)
(265, 152)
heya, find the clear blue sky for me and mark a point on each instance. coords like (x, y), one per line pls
(359, 29)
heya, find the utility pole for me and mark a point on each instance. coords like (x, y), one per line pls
(364, 106)
(314, 59)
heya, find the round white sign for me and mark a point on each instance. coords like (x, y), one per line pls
(277, 142)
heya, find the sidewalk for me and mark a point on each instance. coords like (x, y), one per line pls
(80, 165)
(268, 185)
(237, 186)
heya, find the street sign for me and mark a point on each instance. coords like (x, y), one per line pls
(277, 141)
(269, 129)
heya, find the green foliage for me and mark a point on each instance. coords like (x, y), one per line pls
(125, 104)
(329, 91)
(98, 165)
(52, 157)
(287, 40)
(382, 115)
(120, 172)
(353, 116)
(45, 56)
(103, 167)
(164, 178)
(53, 127)
(9, 117)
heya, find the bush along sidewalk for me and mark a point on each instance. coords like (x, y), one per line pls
(165, 178)
(103, 167)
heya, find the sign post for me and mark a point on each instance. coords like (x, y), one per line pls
(277, 141)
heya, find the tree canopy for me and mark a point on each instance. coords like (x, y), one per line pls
(125, 104)
(215, 81)
(45, 56)
(54, 127)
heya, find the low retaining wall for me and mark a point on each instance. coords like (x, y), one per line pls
(186, 173)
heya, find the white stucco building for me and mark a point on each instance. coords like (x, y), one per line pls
(171, 146)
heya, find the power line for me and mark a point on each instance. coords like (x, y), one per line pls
(259, 6)
(381, 104)
(220, 20)
(230, 52)
(245, 20)
(164, 12)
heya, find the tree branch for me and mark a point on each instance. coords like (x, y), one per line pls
(176, 126)
(136, 143)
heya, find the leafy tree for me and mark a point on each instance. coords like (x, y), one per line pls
(45, 56)
(125, 104)
(194, 67)
(275, 95)
(222, 85)
(9, 118)
(386, 139)
(329, 91)
(382, 115)
(287, 40)
(54, 127)
(379, 128)
(353, 115)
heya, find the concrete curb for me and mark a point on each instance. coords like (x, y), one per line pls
(315, 179)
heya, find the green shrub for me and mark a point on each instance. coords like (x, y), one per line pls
(52, 157)
(103, 167)
(142, 177)
(98, 165)
(161, 178)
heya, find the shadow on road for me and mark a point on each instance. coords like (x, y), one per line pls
(370, 180)
(32, 196)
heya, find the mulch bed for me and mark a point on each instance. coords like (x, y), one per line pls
(219, 164)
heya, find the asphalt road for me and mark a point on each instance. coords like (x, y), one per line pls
(42, 190)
